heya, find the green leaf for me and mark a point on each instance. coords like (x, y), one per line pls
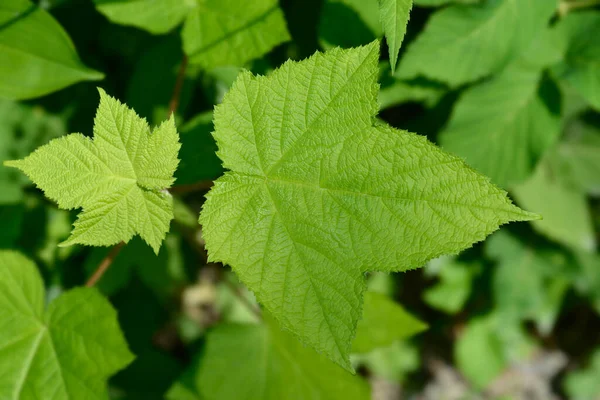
(232, 32)
(394, 16)
(502, 127)
(118, 178)
(37, 56)
(454, 288)
(155, 16)
(67, 351)
(578, 159)
(526, 284)
(392, 363)
(463, 43)
(263, 362)
(383, 323)
(583, 384)
(317, 195)
(579, 33)
(349, 23)
(567, 217)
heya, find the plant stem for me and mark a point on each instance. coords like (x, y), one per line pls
(192, 187)
(104, 264)
(567, 6)
(174, 103)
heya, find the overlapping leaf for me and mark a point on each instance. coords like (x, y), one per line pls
(67, 351)
(118, 178)
(154, 16)
(394, 16)
(317, 194)
(232, 32)
(463, 43)
(37, 56)
(578, 34)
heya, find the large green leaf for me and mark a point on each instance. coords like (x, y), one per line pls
(437, 3)
(503, 126)
(155, 16)
(579, 34)
(463, 43)
(232, 32)
(37, 56)
(567, 217)
(317, 195)
(118, 178)
(249, 362)
(394, 16)
(67, 351)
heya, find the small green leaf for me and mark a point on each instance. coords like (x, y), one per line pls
(503, 126)
(527, 284)
(454, 288)
(583, 384)
(232, 32)
(580, 32)
(263, 362)
(118, 178)
(68, 350)
(463, 43)
(317, 194)
(383, 323)
(567, 217)
(37, 56)
(394, 16)
(155, 16)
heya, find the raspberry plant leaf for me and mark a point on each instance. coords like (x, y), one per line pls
(156, 17)
(37, 56)
(232, 32)
(394, 16)
(66, 351)
(494, 32)
(119, 177)
(317, 194)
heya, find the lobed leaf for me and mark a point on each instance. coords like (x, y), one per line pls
(317, 194)
(67, 351)
(118, 178)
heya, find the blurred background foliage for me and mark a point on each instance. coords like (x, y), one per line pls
(512, 86)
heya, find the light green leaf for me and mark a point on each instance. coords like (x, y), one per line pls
(383, 323)
(565, 209)
(317, 195)
(118, 178)
(394, 16)
(586, 276)
(583, 384)
(527, 283)
(392, 363)
(232, 32)
(263, 362)
(454, 287)
(37, 56)
(578, 159)
(155, 16)
(581, 66)
(349, 23)
(67, 351)
(502, 127)
(463, 43)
